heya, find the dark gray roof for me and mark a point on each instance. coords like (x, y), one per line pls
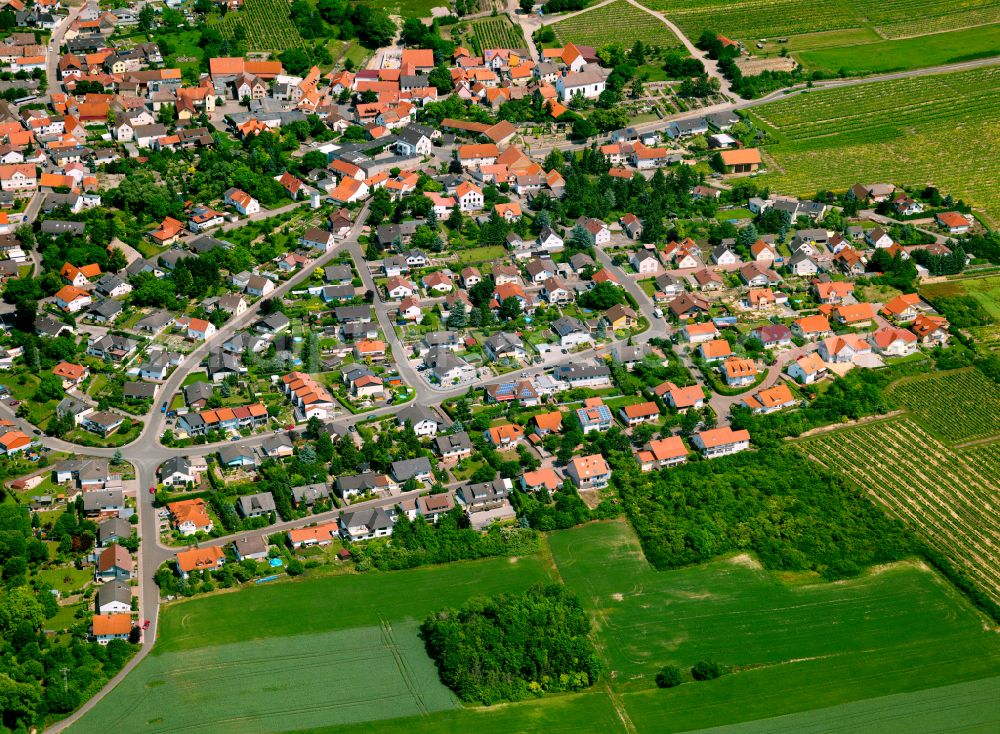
(114, 591)
(407, 468)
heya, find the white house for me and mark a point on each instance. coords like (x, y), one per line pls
(242, 202)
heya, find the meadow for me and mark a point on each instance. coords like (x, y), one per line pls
(919, 130)
(924, 712)
(617, 22)
(795, 644)
(948, 497)
(298, 650)
(267, 24)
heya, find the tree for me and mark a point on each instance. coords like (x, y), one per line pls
(746, 236)
(49, 388)
(583, 128)
(668, 677)
(706, 670)
(526, 6)
(147, 18)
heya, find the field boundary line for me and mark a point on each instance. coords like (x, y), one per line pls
(977, 442)
(820, 430)
(389, 640)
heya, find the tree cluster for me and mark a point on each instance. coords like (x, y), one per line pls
(417, 543)
(512, 646)
(32, 664)
(792, 514)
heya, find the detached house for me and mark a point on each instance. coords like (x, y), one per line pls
(721, 442)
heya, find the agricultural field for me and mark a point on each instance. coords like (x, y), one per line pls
(617, 22)
(798, 644)
(948, 497)
(345, 628)
(924, 712)
(909, 131)
(986, 291)
(266, 23)
(844, 25)
(497, 32)
(882, 57)
(958, 406)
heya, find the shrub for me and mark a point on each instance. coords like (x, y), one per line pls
(669, 676)
(706, 670)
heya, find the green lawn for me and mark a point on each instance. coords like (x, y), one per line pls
(906, 53)
(476, 255)
(194, 377)
(66, 579)
(727, 214)
(65, 617)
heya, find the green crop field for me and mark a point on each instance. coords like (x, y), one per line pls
(306, 653)
(750, 20)
(882, 57)
(267, 24)
(963, 405)
(273, 682)
(909, 131)
(617, 22)
(925, 712)
(496, 32)
(341, 653)
(798, 645)
(948, 497)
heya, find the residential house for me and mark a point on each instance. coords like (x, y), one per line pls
(594, 416)
(808, 369)
(770, 399)
(662, 453)
(721, 441)
(209, 558)
(892, 341)
(589, 472)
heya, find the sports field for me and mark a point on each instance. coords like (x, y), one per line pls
(858, 33)
(910, 131)
(617, 22)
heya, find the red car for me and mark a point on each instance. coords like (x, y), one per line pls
(152, 490)
(145, 625)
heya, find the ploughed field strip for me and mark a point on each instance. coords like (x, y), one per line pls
(949, 497)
